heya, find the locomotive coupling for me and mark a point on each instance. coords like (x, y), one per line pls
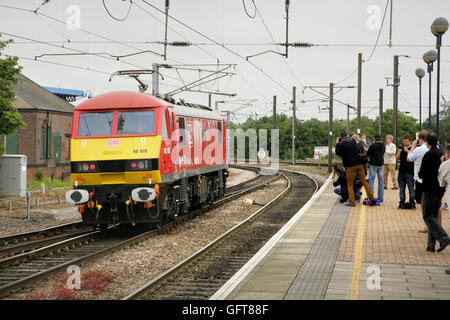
(77, 196)
(143, 194)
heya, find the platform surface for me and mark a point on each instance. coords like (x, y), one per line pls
(331, 251)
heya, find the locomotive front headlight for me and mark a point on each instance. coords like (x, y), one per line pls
(141, 165)
(84, 167)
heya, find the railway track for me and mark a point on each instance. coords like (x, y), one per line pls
(27, 241)
(203, 273)
(19, 269)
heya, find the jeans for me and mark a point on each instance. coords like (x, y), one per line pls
(350, 172)
(403, 180)
(430, 210)
(377, 170)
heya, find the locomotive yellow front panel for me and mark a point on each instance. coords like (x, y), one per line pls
(97, 149)
(117, 152)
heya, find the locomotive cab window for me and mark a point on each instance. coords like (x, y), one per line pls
(182, 132)
(219, 127)
(165, 132)
(95, 124)
(136, 122)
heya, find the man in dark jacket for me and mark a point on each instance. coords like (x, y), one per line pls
(405, 174)
(432, 194)
(376, 164)
(351, 160)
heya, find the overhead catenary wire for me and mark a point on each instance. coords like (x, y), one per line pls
(118, 19)
(223, 46)
(246, 11)
(379, 32)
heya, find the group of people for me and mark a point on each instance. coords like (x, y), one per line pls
(424, 169)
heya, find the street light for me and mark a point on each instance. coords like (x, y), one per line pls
(438, 28)
(420, 73)
(429, 57)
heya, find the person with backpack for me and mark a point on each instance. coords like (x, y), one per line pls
(348, 150)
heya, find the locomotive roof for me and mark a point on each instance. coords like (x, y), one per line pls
(130, 99)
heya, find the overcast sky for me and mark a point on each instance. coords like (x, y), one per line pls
(340, 29)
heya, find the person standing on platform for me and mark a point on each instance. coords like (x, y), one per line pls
(389, 163)
(351, 160)
(432, 195)
(446, 205)
(376, 164)
(418, 149)
(444, 175)
(405, 174)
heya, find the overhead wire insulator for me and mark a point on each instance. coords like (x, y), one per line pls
(180, 44)
(300, 44)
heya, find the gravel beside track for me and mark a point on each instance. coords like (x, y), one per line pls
(203, 276)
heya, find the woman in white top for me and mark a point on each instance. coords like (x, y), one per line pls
(389, 163)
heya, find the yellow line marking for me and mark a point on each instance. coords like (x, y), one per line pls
(357, 260)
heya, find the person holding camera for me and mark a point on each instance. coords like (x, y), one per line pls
(348, 150)
(432, 195)
(405, 174)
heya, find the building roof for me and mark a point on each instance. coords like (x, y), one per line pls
(39, 98)
(65, 92)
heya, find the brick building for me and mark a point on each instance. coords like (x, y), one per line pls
(46, 139)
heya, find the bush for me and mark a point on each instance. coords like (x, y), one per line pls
(40, 175)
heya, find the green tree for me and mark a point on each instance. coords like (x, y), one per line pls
(10, 119)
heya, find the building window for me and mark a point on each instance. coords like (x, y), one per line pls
(12, 143)
(42, 142)
(49, 142)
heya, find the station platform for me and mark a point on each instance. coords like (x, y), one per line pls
(329, 251)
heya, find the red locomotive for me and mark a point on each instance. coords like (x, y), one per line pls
(136, 158)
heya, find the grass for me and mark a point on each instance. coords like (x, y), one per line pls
(49, 184)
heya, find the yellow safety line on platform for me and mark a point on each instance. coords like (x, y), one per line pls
(357, 260)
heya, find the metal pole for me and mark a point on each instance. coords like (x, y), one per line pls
(438, 47)
(287, 26)
(390, 27)
(396, 84)
(358, 129)
(28, 204)
(430, 69)
(330, 127)
(274, 112)
(420, 104)
(209, 99)
(294, 118)
(380, 124)
(348, 119)
(165, 34)
(155, 79)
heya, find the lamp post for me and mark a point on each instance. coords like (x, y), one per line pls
(420, 73)
(429, 57)
(438, 28)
